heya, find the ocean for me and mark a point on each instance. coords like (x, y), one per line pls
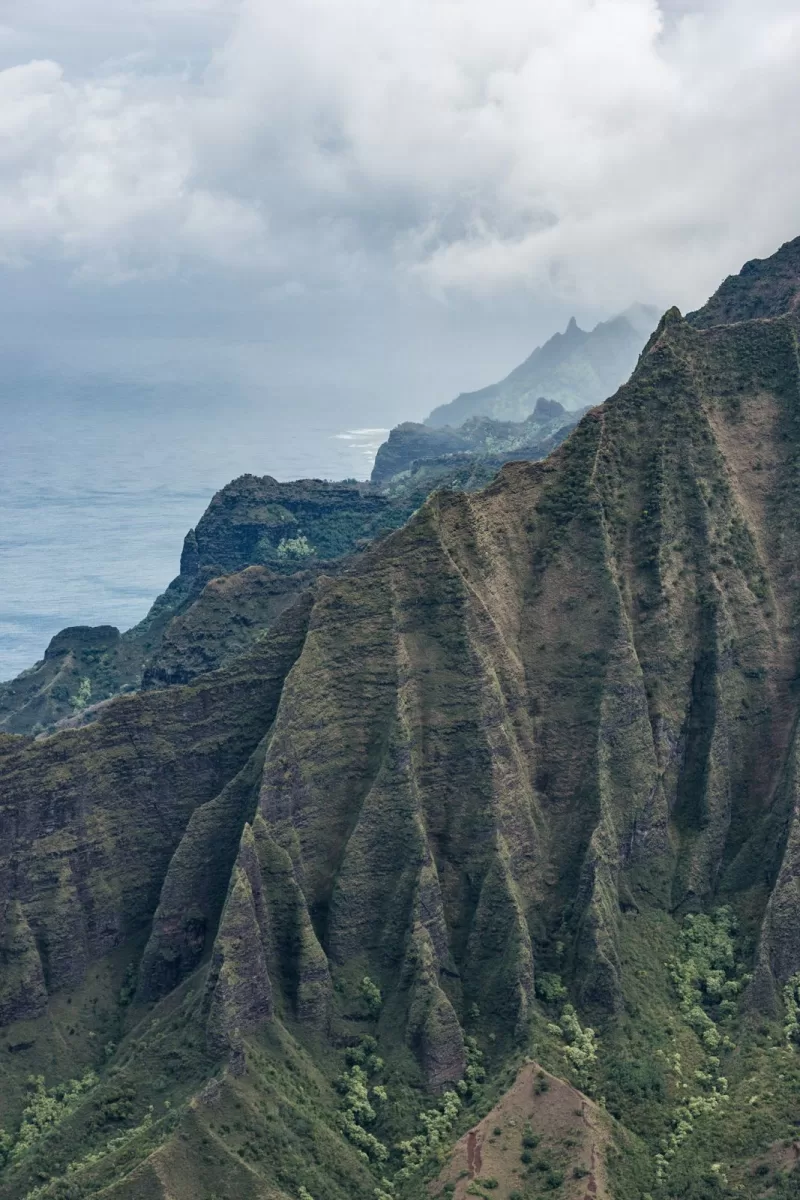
(109, 453)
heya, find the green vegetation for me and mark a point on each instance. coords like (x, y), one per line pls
(371, 995)
(704, 973)
(46, 1108)
(114, 1144)
(358, 1113)
(295, 548)
(580, 1046)
(791, 1000)
(363, 1099)
(549, 987)
(83, 695)
(474, 1072)
(437, 1124)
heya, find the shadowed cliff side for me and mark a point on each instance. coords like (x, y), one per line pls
(90, 817)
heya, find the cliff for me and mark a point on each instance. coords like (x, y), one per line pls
(518, 781)
(415, 452)
(214, 608)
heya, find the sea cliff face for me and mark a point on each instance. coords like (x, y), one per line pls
(259, 544)
(519, 779)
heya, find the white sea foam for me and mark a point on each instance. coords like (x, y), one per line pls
(363, 442)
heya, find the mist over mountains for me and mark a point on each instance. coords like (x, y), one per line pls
(526, 415)
(577, 368)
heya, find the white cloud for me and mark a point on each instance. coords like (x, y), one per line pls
(598, 149)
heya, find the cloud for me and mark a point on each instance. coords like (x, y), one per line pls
(601, 150)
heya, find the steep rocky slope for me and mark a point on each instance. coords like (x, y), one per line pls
(519, 781)
(289, 531)
(578, 682)
(92, 816)
(576, 368)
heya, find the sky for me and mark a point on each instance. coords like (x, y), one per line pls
(233, 232)
(430, 178)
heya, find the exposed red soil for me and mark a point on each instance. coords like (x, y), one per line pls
(569, 1132)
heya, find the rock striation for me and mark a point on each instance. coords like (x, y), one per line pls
(496, 759)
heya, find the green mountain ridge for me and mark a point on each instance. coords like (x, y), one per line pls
(517, 783)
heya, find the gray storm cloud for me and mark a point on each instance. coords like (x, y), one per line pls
(601, 150)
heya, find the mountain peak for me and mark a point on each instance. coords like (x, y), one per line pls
(545, 409)
(578, 368)
(765, 287)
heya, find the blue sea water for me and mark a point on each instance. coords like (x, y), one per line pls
(110, 453)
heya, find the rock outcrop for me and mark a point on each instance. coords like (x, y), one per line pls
(414, 455)
(240, 992)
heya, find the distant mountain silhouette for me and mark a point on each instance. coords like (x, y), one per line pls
(577, 368)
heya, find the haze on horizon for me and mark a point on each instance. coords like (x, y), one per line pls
(231, 231)
(323, 175)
